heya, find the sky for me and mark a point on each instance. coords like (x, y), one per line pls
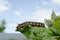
(18, 11)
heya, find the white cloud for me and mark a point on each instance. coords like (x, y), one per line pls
(4, 5)
(45, 3)
(55, 1)
(41, 14)
(57, 13)
(18, 13)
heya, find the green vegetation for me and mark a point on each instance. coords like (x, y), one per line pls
(53, 15)
(2, 26)
(42, 33)
(56, 25)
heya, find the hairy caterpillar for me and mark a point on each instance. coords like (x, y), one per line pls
(33, 24)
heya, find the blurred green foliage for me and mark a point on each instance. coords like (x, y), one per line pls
(2, 26)
(48, 22)
(38, 33)
(56, 24)
(26, 30)
(42, 33)
(53, 15)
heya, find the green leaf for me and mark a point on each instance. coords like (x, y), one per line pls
(26, 30)
(48, 22)
(41, 32)
(49, 38)
(53, 15)
(56, 25)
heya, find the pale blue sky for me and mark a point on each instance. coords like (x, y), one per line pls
(17, 11)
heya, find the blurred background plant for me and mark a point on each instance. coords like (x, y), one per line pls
(2, 25)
